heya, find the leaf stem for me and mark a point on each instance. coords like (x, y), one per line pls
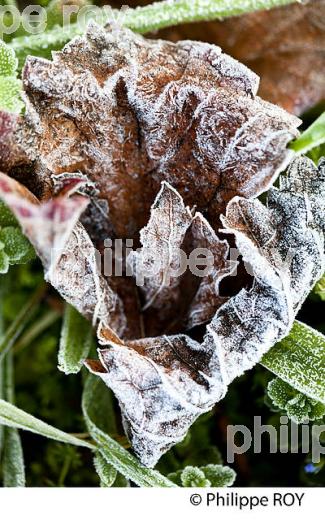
(64, 470)
(9, 390)
(13, 458)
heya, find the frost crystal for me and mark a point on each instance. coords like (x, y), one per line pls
(298, 406)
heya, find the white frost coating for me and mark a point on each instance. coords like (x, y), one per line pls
(131, 113)
(78, 280)
(158, 262)
(163, 384)
(207, 298)
(159, 265)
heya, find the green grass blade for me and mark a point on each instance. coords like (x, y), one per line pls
(14, 417)
(299, 359)
(18, 325)
(311, 138)
(75, 343)
(13, 466)
(163, 14)
(106, 472)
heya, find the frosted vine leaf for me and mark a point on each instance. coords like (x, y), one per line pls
(109, 122)
(130, 113)
(66, 251)
(163, 384)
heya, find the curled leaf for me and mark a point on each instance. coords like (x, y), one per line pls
(158, 262)
(163, 384)
(132, 117)
(207, 298)
(111, 451)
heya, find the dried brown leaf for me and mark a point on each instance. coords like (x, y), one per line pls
(8, 123)
(158, 262)
(163, 384)
(132, 117)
